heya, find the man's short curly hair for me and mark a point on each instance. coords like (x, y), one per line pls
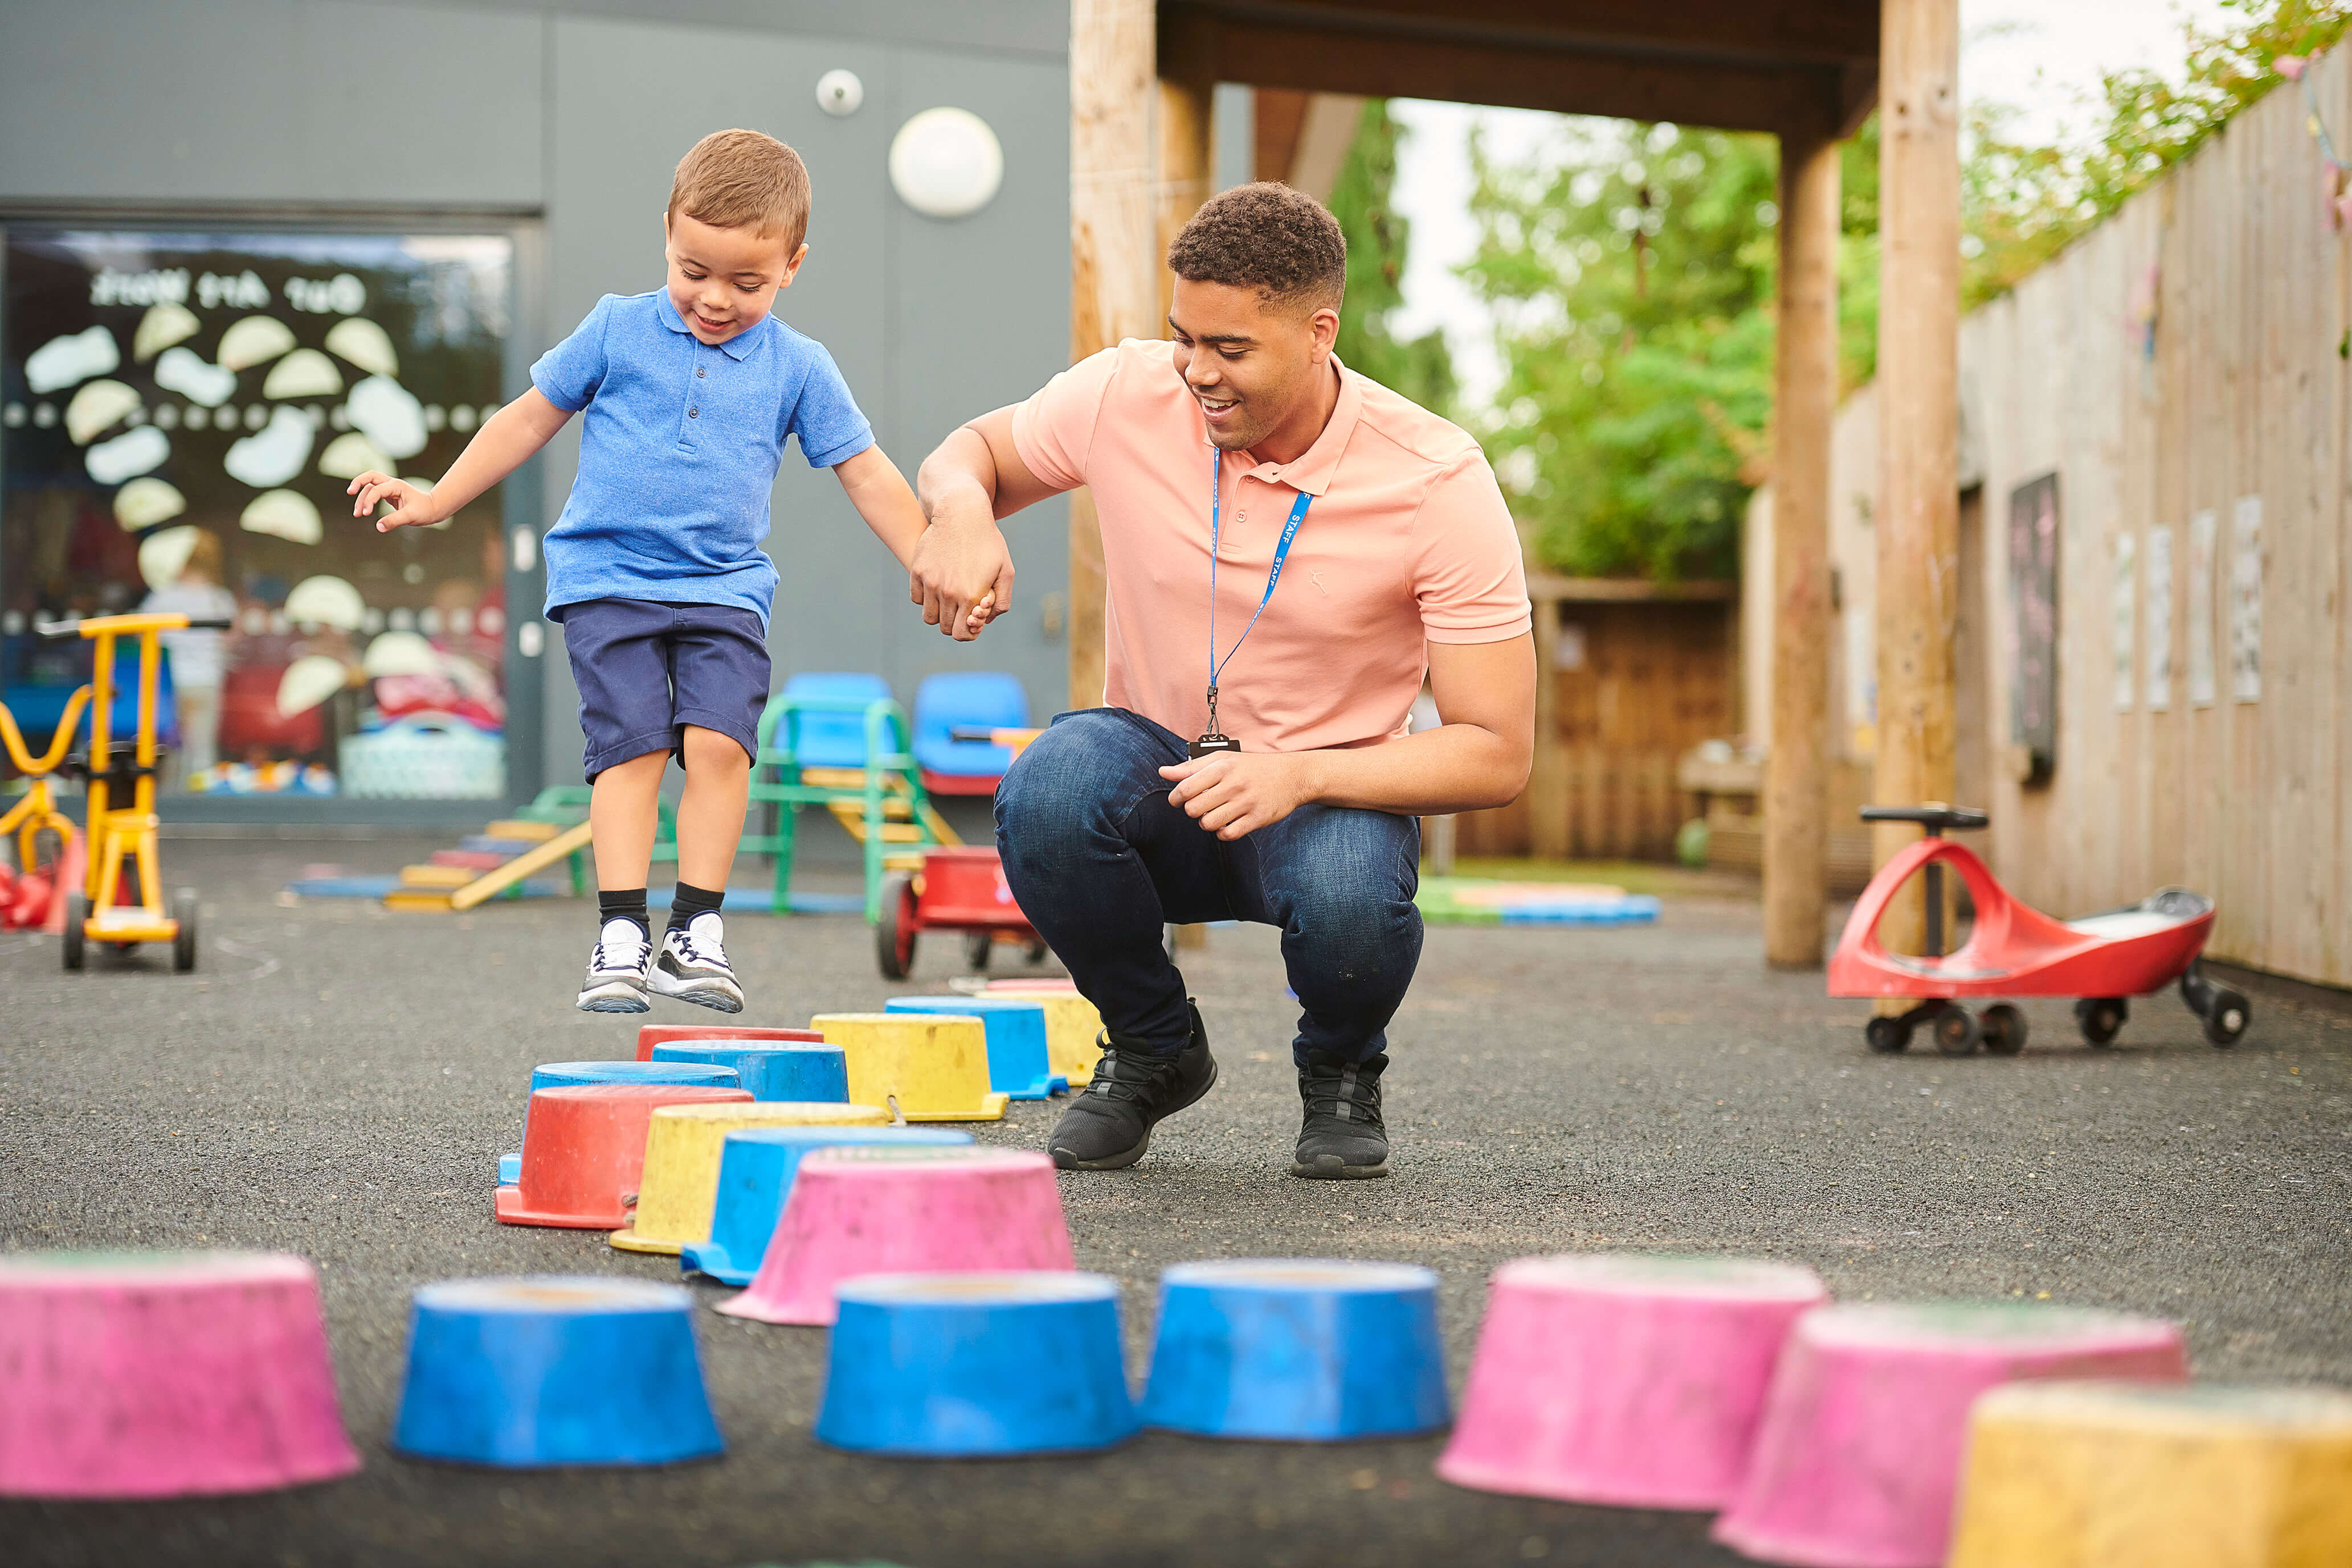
(1283, 243)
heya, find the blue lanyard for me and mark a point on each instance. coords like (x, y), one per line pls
(1281, 553)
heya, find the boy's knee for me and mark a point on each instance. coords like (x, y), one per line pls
(712, 751)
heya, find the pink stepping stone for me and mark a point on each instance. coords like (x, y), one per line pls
(1859, 1456)
(881, 1208)
(153, 1375)
(1619, 1378)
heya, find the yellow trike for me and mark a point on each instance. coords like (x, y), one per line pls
(114, 773)
(36, 812)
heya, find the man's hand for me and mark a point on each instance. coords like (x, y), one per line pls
(1233, 794)
(963, 572)
(412, 505)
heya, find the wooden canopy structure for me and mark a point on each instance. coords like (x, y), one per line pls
(1807, 72)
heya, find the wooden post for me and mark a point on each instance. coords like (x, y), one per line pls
(1796, 768)
(1187, 125)
(1114, 262)
(1547, 775)
(1918, 516)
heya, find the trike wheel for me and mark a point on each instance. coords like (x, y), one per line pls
(894, 933)
(76, 949)
(2227, 1017)
(183, 941)
(1956, 1031)
(2003, 1028)
(977, 946)
(1888, 1035)
(2102, 1018)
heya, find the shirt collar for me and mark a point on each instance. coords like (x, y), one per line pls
(734, 347)
(1314, 467)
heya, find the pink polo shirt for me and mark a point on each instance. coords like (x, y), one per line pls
(1406, 542)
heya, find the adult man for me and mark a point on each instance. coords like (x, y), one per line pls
(1287, 548)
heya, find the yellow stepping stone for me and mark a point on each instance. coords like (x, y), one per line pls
(929, 1066)
(1073, 1031)
(2105, 1475)
(683, 1142)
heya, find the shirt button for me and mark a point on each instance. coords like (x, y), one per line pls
(694, 414)
(700, 371)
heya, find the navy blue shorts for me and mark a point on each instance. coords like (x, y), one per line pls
(646, 670)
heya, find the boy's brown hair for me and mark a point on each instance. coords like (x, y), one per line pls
(1268, 236)
(744, 179)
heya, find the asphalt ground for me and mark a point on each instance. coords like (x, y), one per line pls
(336, 1080)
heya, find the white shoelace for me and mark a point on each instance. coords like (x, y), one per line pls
(619, 946)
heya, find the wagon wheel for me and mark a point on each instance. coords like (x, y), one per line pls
(977, 946)
(894, 933)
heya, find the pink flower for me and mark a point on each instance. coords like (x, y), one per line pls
(2290, 67)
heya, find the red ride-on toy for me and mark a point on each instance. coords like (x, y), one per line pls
(2102, 960)
(960, 888)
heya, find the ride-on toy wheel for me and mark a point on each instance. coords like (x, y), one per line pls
(1888, 1035)
(2226, 1012)
(977, 946)
(894, 933)
(183, 941)
(1956, 1031)
(76, 945)
(2102, 1018)
(2003, 1028)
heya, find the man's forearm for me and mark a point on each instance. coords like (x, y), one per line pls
(1458, 767)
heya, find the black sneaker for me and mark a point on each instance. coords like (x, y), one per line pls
(1342, 1138)
(1109, 1127)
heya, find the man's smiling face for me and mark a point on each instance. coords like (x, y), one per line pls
(1250, 362)
(724, 281)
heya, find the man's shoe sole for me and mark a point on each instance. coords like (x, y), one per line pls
(1065, 1160)
(1331, 1169)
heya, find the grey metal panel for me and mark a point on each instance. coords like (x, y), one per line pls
(980, 313)
(1018, 26)
(1235, 139)
(268, 100)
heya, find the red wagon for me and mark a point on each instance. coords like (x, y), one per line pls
(962, 890)
(2014, 950)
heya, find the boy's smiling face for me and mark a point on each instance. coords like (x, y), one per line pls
(724, 281)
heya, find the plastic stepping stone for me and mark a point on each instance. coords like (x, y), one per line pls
(652, 1035)
(1622, 1378)
(583, 1151)
(1018, 1061)
(561, 1075)
(680, 1185)
(154, 1374)
(1016, 987)
(882, 1210)
(525, 1374)
(946, 1366)
(1072, 1027)
(1301, 1350)
(1858, 1457)
(928, 1067)
(772, 1069)
(756, 1167)
(2107, 1475)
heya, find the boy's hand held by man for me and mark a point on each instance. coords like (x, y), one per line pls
(961, 574)
(412, 505)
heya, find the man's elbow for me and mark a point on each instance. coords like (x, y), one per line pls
(1506, 779)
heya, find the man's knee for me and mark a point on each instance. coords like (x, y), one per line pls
(1068, 777)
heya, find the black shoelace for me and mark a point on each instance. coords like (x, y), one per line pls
(1123, 1075)
(1347, 1094)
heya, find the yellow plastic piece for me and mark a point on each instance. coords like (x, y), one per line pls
(443, 877)
(417, 899)
(517, 830)
(683, 1142)
(1073, 1031)
(933, 1067)
(2105, 1475)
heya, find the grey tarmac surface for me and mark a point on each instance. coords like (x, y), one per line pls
(337, 1081)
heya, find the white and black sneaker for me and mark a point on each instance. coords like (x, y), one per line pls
(616, 970)
(692, 966)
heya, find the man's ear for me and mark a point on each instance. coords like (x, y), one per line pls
(1324, 324)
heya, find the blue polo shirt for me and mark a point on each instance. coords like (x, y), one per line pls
(679, 452)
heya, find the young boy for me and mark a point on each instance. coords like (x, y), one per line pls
(655, 569)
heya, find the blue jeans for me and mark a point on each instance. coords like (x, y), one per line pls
(1100, 861)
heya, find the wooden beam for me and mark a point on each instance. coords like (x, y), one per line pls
(1761, 31)
(1547, 775)
(1918, 517)
(1113, 259)
(1187, 125)
(1804, 407)
(1298, 52)
(1279, 117)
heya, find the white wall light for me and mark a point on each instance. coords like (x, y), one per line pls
(946, 162)
(839, 93)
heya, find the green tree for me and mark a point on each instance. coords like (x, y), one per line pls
(1421, 368)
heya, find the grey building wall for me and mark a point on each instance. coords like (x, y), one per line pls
(574, 114)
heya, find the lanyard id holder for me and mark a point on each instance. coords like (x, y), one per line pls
(1212, 742)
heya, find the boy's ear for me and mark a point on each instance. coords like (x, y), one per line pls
(792, 266)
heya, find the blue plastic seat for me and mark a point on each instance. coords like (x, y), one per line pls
(978, 699)
(836, 740)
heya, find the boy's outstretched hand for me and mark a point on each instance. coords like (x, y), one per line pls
(412, 504)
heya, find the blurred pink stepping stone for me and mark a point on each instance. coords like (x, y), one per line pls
(128, 1374)
(1859, 1456)
(1626, 1379)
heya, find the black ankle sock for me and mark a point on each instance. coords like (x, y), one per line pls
(689, 901)
(629, 904)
